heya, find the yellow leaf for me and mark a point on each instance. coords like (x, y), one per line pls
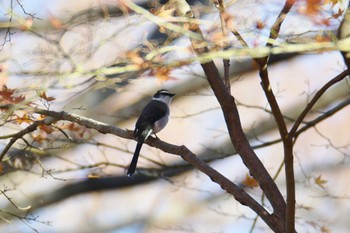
(23, 119)
(334, 2)
(163, 12)
(319, 181)
(134, 57)
(325, 229)
(93, 176)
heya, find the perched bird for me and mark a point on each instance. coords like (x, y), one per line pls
(153, 119)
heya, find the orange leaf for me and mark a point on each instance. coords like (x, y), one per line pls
(24, 119)
(313, 6)
(321, 38)
(55, 22)
(162, 73)
(134, 57)
(46, 128)
(18, 99)
(72, 127)
(338, 14)
(26, 25)
(260, 24)
(325, 22)
(42, 94)
(39, 138)
(250, 182)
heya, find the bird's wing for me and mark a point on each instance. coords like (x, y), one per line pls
(152, 112)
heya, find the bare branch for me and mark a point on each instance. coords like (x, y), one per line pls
(238, 193)
(185, 153)
(8, 33)
(274, 31)
(289, 214)
(237, 135)
(317, 96)
(324, 116)
(29, 129)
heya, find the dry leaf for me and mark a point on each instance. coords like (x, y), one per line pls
(250, 182)
(320, 182)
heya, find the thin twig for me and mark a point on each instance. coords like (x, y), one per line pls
(12, 203)
(319, 119)
(25, 12)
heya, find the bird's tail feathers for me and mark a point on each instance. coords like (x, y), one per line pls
(132, 166)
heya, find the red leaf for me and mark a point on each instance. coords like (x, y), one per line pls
(46, 128)
(6, 95)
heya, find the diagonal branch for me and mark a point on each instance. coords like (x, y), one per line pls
(324, 116)
(29, 129)
(239, 194)
(317, 96)
(237, 136)
(276, 27)
(240, 141)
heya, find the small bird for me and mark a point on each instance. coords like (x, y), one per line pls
(154, 117)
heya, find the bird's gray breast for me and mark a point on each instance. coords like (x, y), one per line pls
(161, 123)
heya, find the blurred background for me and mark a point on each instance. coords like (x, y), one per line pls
(100, 60)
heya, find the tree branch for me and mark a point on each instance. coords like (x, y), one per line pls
(237, 136)
(240, 141)
(289, 215)
(322, 117)
(317, 96)
(239, 194)
(29, 129)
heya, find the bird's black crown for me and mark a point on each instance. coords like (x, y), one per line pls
(163, 92)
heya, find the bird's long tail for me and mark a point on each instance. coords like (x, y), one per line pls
(132, 166)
